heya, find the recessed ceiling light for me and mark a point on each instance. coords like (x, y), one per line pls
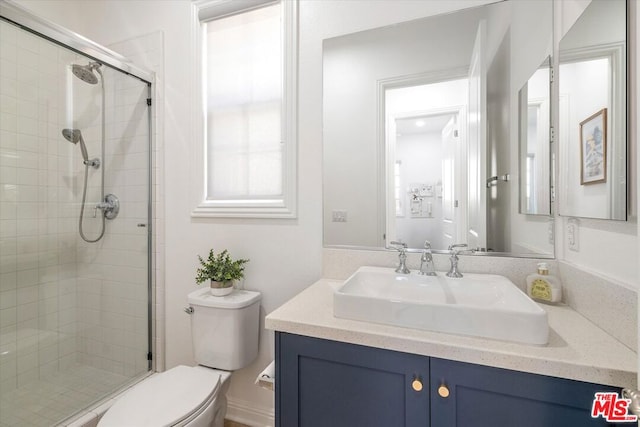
(419, 123)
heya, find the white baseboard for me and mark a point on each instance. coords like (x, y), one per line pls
(246, 413)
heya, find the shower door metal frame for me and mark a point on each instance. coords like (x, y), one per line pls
(14, 14)
(151, 254)
(73, 41)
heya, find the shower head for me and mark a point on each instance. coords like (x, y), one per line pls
(85, 72)
(74, 136)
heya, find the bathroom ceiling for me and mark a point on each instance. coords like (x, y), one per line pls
(422, 124)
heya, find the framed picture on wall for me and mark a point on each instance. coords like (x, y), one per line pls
(593, 148)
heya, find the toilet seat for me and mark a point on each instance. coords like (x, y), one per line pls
(176, 396)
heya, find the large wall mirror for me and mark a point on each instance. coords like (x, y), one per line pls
(593, 114)
(421, 138)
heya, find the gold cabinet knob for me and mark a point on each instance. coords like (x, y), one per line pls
(443, 391)
(416, 384)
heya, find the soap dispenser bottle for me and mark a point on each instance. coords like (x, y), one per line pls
(543, 287)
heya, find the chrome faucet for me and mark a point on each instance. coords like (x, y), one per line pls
(426, 261)
(402, 248)
(453, 249)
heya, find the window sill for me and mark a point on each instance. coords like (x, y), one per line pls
(254, 209)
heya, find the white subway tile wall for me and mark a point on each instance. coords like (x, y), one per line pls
(68, 307)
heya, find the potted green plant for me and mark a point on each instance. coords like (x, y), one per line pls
(221, 271)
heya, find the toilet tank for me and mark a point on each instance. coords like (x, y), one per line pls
(225, 330)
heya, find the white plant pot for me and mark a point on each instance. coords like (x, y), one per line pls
(220, 289)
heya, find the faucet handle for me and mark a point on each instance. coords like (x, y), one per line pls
(454, 272)
(427, 244)
(457, 245)
(401, 246)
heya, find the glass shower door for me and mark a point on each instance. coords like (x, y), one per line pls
(74, 242)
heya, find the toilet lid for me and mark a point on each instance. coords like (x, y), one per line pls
(164, 399)
(239, 298)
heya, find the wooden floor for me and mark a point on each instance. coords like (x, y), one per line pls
(228, 423)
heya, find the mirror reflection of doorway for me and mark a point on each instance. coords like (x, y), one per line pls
(425, 163)
(425, 179)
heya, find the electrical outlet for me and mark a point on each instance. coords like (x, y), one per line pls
(573, 231)
(339, 216)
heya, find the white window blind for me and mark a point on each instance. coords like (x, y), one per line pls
(248, 86)
(244, 100)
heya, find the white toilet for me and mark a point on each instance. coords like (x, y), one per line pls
(225, 334)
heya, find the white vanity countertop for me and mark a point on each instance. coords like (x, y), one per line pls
(577, 349)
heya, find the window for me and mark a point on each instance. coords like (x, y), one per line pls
(248, 113)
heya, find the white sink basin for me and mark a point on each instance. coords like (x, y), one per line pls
(481, 305)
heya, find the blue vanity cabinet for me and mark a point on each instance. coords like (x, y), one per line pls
(468, 395)
(321, 383)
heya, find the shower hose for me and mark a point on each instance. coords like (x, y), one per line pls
(86, 174)
(84, 199)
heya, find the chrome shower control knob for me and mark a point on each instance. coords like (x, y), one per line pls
(110, 206)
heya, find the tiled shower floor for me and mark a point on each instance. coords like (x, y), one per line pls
(46, 402)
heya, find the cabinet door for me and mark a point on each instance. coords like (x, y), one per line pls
(331, 384)
(480, 396)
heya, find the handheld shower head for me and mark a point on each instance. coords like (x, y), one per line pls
(74, 136)
(85, 72)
